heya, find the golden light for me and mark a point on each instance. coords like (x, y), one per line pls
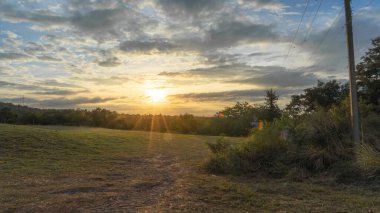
(156, 95)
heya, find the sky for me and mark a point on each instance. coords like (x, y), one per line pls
(173, 56)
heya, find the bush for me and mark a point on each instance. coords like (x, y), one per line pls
(315, 143)
(220, 161)
(370, 127)
(322, 139)
(368, 159)
(262, 153)
(318, 143)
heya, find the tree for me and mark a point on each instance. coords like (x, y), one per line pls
(324, 95)
(239, 111)
(368, 74)
(6, 115)
(237, 119)
(271, 108)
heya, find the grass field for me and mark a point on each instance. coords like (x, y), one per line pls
(76, 169)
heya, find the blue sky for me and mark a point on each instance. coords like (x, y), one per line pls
(173, 56)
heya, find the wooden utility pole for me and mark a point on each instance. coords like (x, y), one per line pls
(351, 65)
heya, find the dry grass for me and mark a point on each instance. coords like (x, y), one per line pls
(70, 169)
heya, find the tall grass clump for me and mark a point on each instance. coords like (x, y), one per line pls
(263, 153)
(368, 159)
(317, 143)
(322, 140)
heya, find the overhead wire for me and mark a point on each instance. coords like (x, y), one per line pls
(333, 24)
(370, 2)
(328, 31)
(298, 28)
(308, 31)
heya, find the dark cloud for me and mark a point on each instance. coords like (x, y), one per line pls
(104, 19)
(221, 70)
(261, 2)
(12, 13)
(55, 83)
(41, 87)
(265, 76)
(109, 62)
(227, 33)
(63, 102)
(58, 92)
(112, 80)
(170, 74)
(228, 96)
(5, 84)
(190, 9)
(280, 79)
(48, 58)
(225, 71)
(12, 56)
(256, 54)
(105, 22)
(146, 47)
(270, 5)
(59, 102)
(34, 48)
(98, 22)
(221, 58)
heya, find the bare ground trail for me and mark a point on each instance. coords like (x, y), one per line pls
(129, 185)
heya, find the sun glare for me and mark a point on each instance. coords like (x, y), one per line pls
(156, 95)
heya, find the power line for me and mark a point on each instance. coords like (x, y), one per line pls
(333, 24)
(370, 2)
(312, 21)
(328, 31)
(298, 28)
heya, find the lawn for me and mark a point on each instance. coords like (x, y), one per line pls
(80, 169)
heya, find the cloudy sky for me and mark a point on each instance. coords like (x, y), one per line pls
(173, 56)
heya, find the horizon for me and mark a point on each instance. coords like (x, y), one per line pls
(173, 57)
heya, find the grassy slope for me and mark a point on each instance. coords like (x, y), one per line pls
(37, 163)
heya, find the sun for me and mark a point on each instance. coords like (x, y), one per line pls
(156, 95)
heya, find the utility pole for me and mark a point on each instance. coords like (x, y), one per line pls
(351, 63)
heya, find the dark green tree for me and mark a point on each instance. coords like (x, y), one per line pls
(271, 109)
(368, 74)
(237, 119)
(7, 116)
(324, 95)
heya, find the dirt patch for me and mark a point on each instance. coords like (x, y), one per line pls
(82, 190)
(130, 185)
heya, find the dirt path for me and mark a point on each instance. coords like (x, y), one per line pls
(129, 185)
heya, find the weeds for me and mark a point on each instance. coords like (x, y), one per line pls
(317, 144)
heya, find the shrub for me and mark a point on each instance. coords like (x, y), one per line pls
(262, 153)
(323, 139)
(318, 143)
(220, 161)
(368, 159)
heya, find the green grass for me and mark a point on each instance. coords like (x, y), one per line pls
(64, 169)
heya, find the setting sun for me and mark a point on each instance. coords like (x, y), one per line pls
(156, 95)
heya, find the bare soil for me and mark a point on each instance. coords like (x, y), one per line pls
(129, 185)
